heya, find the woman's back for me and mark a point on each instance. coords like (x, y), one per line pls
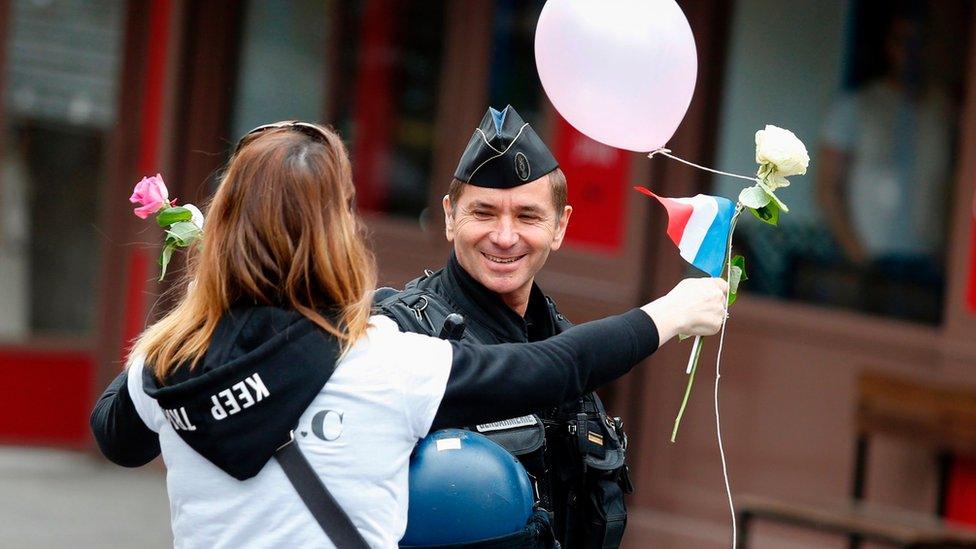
(217, 423)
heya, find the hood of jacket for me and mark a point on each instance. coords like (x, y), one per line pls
(241, 402)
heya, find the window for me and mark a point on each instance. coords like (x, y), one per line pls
(283, 65)
(388, 105)
(873, 88)
(513, 78)
(370, 69)
(60, 89)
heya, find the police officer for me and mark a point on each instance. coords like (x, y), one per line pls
(505, 212)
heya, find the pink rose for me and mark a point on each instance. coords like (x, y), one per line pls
(151, 194)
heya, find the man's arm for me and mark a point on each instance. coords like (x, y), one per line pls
(495, 382)
(121, 434)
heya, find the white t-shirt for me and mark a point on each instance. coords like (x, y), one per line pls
(358, 434)
(901, 152)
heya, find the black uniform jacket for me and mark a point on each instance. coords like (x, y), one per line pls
(489, 320)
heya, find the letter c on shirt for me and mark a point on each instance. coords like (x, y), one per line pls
(327, 425)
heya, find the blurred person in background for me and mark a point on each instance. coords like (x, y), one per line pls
(884, 166)
(275, 327)
(505, 212)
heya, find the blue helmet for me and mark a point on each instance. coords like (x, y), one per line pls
(464, 487)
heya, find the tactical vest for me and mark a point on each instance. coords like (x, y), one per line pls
(574, 453)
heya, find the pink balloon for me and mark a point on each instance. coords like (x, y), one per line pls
(620, 71)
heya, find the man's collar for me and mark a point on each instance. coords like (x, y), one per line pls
(487, 307)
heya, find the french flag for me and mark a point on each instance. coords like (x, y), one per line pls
(700, 227)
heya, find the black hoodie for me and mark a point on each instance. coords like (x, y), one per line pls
(265, 365)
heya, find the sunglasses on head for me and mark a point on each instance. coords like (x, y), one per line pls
(310, 130)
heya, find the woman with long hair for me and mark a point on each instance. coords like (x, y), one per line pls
(273, 347)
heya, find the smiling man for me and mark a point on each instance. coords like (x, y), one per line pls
(505, 212)
(503, 236)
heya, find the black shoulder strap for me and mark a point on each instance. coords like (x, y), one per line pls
(331, 517)
(416, 309)
(424, 312)
(334, 521)
(562, 323)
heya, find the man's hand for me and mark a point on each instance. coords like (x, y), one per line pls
(696, 306)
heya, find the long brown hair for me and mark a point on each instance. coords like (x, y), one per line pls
(279, 231)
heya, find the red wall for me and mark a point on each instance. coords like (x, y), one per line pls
(46, 397)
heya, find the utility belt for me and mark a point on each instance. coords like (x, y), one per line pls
(576, 459)
(596, 478)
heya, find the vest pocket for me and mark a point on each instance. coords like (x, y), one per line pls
(606, 515)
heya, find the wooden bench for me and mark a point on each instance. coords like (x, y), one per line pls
(940, 418)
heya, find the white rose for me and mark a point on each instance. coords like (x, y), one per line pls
(197, 218)
(774, 181)
(783, 150)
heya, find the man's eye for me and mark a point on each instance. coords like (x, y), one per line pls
(482, 214)
(529, 217)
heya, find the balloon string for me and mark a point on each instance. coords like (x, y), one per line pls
(718, 375)
(667, 153)
(721, 341)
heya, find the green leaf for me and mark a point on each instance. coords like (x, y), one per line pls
(768, 213)
(754, 197)
(737, 273)
(164, 258)
(773, 196)
(733, 295)
(182, 233)
(168, 216)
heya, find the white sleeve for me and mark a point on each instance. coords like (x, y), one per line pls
(423, 365)
(146, 406)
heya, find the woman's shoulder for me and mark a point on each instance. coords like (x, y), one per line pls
(382, 324)
(146, 406)
(385, 334)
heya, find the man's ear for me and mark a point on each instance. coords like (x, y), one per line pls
(448, 218)
(557, 240)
